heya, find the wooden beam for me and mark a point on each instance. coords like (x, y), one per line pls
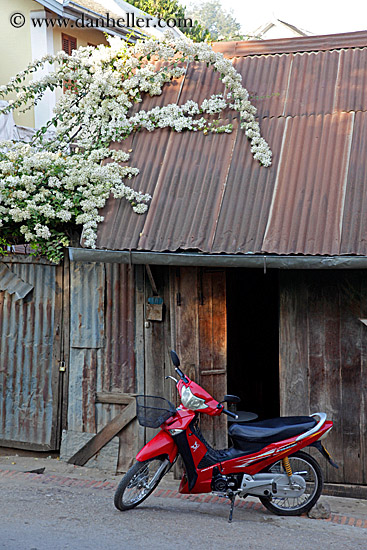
(344, 490)
(151, 279)
(11, 445)
(101, 439)
(66, 344)
(140, 340)
(114, 398)
(213, 371)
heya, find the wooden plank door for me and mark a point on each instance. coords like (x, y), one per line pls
(152, 339)
(200, 329)
(323, 351)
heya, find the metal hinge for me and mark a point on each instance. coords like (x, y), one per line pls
(62, 366)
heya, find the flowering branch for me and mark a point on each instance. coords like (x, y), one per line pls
(48, 188)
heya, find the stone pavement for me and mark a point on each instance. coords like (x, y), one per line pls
(344, 511)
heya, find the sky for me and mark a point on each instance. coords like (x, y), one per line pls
(315, 16)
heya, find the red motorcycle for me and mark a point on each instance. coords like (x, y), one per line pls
(265, 459)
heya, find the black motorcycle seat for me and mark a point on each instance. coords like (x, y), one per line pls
(270, 431)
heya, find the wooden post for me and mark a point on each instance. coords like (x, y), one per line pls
(140, 341)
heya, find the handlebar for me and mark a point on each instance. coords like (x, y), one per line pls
(181, 375)
(230, 413)
(185, 380)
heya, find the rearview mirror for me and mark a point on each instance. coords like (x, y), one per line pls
(175, 359)
(231, 399)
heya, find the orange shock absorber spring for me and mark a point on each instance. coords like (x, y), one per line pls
(287, 466)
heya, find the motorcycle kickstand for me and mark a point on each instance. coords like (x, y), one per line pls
(232, 497)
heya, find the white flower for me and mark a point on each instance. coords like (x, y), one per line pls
(64, 215)
(42, 231)
(140, 208)
(47, 183)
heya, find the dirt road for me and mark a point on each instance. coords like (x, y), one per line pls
(52, 511)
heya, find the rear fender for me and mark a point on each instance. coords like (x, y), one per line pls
(319, 446)
(161, 444)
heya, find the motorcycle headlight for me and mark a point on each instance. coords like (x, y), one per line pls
(190, 401)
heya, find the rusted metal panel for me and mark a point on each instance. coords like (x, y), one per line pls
(84, 367)
(351, 86)
(199, 83)
(266, 78)
(289, 45)
(122, 227)
(119, 371)
(171, 94)
(102, 342)
(248, 195)
(190, 209)
(29, 359)
(87, 285)
(308, 201)
(87, 305)
(147, 155)
(13, 284)
(210, 195)
(312, 83)
(354, 232)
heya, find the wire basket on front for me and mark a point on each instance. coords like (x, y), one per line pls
(153, 411)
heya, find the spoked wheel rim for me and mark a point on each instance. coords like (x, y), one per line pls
(143, 482)
(303, 467)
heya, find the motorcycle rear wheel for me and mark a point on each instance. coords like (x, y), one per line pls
(296, 506)
(139, 482)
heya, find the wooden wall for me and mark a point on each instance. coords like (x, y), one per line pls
(152, 339)
(322, 347)
(323, 360)
(200, 329)
(194, 324)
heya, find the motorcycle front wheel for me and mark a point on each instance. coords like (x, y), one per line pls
(139, 482)
(301, 464)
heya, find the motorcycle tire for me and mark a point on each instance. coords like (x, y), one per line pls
(139, 482)
(296, 506)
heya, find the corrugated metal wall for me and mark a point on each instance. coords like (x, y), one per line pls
(98, 352)
(29, 356)
(102, 358)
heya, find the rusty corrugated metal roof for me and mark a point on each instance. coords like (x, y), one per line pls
(249, 191)
(208, 192)
(289, 45)
(354, 235)
(308, 201)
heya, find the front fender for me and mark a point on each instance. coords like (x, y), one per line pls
(161, 444)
